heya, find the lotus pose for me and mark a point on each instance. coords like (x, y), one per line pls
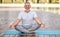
(28, 19)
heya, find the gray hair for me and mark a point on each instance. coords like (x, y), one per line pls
(27, 2)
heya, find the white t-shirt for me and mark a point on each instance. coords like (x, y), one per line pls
(27, 18)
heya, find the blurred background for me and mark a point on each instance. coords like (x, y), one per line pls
(47, 10)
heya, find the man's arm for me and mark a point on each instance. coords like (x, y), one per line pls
(39, 22)
(12, 26)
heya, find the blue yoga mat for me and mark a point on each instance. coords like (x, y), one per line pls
(48, 32)
(12, 32)
(38, 32)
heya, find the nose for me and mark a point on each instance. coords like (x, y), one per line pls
(27, 5)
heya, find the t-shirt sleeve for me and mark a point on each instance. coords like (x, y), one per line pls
(19, 16)
(35, 14)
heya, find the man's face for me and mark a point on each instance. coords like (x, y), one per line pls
(27, 6)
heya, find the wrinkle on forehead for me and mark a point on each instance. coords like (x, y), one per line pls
(27, 4)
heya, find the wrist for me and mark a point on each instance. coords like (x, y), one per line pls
(40, 23)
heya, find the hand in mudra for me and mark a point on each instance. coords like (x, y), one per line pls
(43, 25)
(12, 27)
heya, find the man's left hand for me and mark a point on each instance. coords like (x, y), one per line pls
(43, 25)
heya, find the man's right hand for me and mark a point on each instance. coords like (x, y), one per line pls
(12, 27)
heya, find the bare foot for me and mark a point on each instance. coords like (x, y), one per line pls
(31, 32)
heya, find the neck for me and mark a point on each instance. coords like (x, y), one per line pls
(27, 11)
